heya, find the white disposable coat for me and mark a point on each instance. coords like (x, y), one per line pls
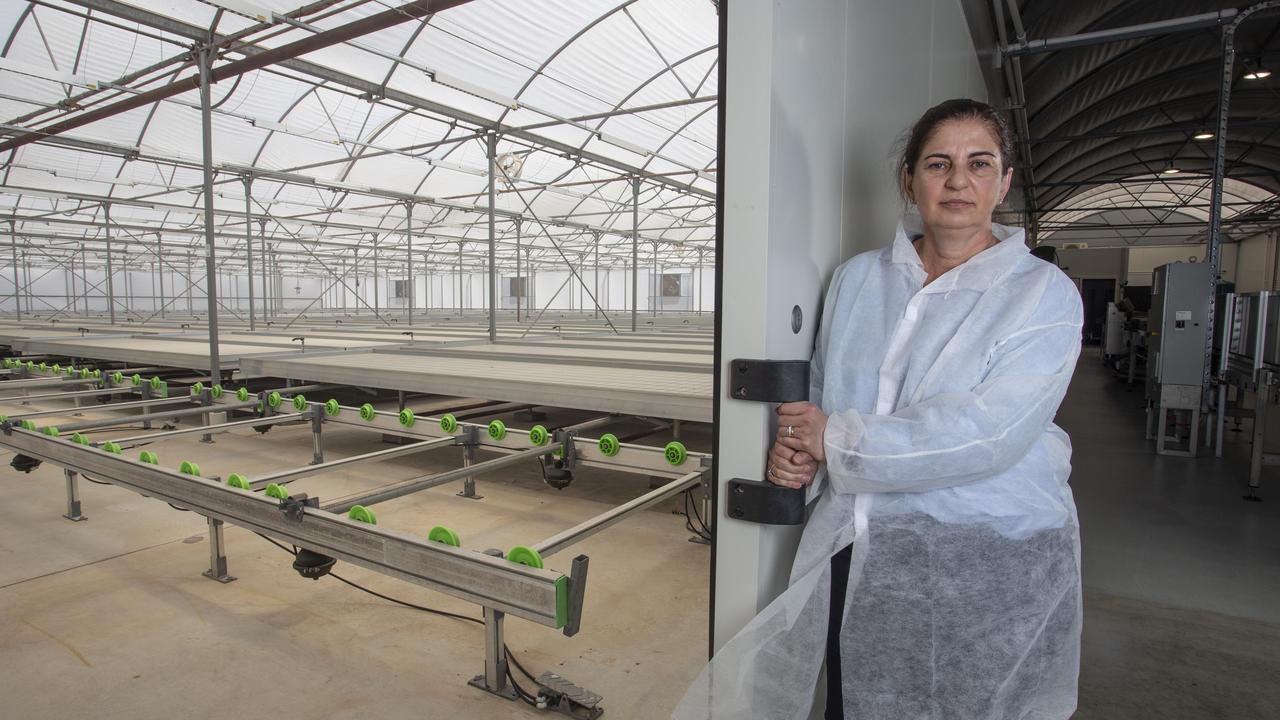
(946, 473)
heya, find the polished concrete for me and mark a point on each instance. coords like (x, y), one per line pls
(1181, 575)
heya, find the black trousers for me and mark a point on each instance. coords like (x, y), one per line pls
(839, 586)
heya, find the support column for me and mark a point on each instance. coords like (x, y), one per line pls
(519, 286)
(375, 274)
(408, 233)
(595, 281)
(635, 249)
(210, 259)
(17, 270)
(266, 292)
(460, 302)
(217, 554)
(73, 497)
(248, 244)
(111, 290)
(494, 678)
(493, 238)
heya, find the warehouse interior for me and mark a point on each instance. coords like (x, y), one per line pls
(377, 358)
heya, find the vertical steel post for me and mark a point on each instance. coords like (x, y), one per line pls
(266, 291)
(248, 244)
(635, 249)
(111, 294)
(160, 271)
(595, 281)
(375, 273)
(408, 233)
(460, 301)
(493, 238)
(17, 271)
(1219, 170)
(217, 554)
(73, 497)
(519, 285)
(210, 260)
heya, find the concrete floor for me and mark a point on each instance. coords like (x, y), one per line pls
(111, 618)
(1182, 577)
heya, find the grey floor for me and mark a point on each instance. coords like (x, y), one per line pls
(1182, 577)
(110, 618)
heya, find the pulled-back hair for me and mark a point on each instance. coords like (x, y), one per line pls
(957, 109)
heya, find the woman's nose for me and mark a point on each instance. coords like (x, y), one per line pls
(957, 179)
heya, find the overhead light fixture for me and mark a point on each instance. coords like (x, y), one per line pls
(1204, 135)
(1255, 70)
(1171, 170)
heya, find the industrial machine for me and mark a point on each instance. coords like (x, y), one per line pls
(1247, 353)
(1177, 333)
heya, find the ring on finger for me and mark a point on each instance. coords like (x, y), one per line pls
(791, 431)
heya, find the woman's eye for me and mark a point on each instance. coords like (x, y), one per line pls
(939, 165)
(981, 164)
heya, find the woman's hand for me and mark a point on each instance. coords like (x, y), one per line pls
(801, 427)
(789, 468)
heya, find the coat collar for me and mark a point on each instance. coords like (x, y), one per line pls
(979, 272)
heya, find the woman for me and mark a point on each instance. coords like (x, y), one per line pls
(938, 575)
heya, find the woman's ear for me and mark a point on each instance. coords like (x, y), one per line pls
(904, 184)
(1005, 185)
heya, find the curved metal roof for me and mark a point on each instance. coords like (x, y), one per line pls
(1112, 112)
(587, 94)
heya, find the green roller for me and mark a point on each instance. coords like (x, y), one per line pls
(147, 456)
(236, 480)
(675, 453)
(276, 491)
(197, 388)
(50, 430)
(538, 435)
(31, 367)
(442, 534)
(449, 423)
(609, 444)
(216, 392)
(57, 369)
(156, 382)
(242, 394)
(331, 407)
(44, 367)
(79, 439)
(522, 555)
(299, 402)
(112, 447)
(4, 418)
(117, 378)
(84, 373)
(8, 363)
(497, 430)
(136, 379)
(97, 374)
(274, 399)
(366, 412)
(27, 425)
(189, 468)
(407, 418)
(360, 513)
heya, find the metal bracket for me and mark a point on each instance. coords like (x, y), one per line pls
(764, 502)
(564, 697)
(295, 506)
(577, 594)
(770, 380)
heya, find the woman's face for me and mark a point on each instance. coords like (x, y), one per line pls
(957, 181)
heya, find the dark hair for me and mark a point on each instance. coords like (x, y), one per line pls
(957, 109)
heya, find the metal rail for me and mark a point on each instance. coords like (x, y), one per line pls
(283, 477)
(582, 531)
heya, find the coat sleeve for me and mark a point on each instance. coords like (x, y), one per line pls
(817, 365)
(966, 435)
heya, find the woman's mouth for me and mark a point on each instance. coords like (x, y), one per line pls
(956, 204)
